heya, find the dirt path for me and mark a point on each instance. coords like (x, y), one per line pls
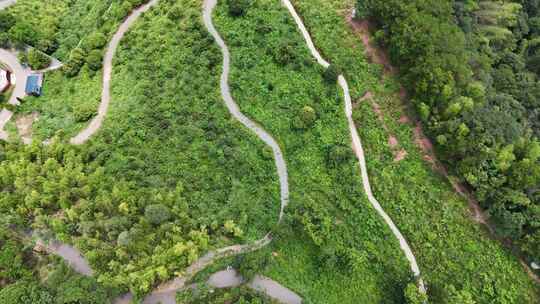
(24, 126)
(357, 147)
(96, 122)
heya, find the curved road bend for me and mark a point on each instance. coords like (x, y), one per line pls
(96, 122)
(357, 147)
(19, 75)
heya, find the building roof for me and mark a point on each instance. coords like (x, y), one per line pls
(33, 84)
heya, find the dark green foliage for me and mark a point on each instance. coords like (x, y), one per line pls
(306, 118)
(250, 265)
(238, 7)
(338, 155)
(157, 214)
(471, 85)
(26, 292)
(331, 74)
(95, 60)
(75, 62)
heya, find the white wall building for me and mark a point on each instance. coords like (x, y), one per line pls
(4, 80)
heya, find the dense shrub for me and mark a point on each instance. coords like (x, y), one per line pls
(238, 7)
(37, 60)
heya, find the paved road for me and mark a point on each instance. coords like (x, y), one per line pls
(70, 254)
(230, 278)
(357, 146)
(96, 122)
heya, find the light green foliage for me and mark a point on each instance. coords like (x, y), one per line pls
(332, 235)
(413, 295)
(37, 59)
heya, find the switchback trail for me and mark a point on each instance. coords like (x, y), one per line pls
(357, 147)
(96, 122)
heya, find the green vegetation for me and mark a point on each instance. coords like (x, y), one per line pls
(476, 87)
(75, 32)
(332, 237)
(207, 295)
(29, 277)
(172, 174)
(452, 250)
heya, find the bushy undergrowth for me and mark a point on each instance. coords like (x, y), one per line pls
(169, 176)
(449, 247)
(333, 238)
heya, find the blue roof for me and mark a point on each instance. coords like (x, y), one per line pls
(33, 85)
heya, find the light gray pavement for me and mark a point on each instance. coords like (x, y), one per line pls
(357, 147)
(96, 122)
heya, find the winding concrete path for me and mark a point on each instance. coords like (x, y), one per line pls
(96, 122)
(70, 254)
(357, 147)
(166, 292)
(235, 111)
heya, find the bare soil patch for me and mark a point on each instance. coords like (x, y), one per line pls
(24, 126)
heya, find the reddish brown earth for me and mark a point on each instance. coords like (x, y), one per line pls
(377, 55)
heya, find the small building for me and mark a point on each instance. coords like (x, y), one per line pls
(5, 80)
(34, 83)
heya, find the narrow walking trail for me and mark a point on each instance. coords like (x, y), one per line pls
(235, 111)
(357, 147)
(96, 122)
(166, 292)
